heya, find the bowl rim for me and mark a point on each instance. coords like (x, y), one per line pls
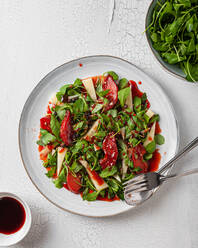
(152, 49)
(40, 82)
(27, 212)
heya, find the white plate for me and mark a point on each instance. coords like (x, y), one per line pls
(35, 108)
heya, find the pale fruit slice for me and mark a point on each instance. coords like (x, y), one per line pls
(122, 131)
(89, 86)
(150, 113)
(117, 178)
(129, 100)
(97, 181)
(60, 158)
(150, 136)
(92, 131)
(124, 168)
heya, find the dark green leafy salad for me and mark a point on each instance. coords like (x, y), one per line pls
(98, 133)
(174, 34)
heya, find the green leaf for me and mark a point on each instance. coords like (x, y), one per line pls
(78, 125)
(112, 112)
(103, 93)
(55, 126)
(61, 179)
(51, 172)
(97, 108)
(150, 148)
(123, 94)
(113, 74)
(137, 103)
(46, 139)
(62, 91)
(123, 83)
(107, 172)
(189, 24)
(76, 167)
(159, 139)
(77, 82)
(148, 156)
(114, 185)
(91, 196)
(60, 110)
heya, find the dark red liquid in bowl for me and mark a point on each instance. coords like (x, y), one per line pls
(12, 215)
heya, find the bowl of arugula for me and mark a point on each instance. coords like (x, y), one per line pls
(172, 34)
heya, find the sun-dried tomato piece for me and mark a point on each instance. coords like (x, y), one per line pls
(73, 183)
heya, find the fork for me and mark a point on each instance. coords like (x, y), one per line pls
(149, 181)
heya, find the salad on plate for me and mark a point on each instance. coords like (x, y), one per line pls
(98, 133)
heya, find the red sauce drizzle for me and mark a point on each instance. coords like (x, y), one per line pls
(150, 138)
(105, 198)
(157, 128)
(155, 160)
(80, 65)
(139, 82)
(40, 148)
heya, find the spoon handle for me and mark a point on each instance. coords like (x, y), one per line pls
(175, 176)
(179, 155)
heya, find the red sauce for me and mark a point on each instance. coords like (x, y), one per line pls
(12, 215)
(154, 162)
(62, 150)
(139, 82)
(137, 92)
(157, 128)
(40, 148)
(96, 177)
(80, 65)
(150, 138)
(49, 110)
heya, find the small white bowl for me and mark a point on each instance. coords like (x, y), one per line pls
(11, 239)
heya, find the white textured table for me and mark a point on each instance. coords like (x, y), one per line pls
(37, 36)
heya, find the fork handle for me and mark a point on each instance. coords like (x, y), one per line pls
(179, 155)
(175, 176)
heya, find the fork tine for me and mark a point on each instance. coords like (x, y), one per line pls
(135, 179)
(136, 183)
(136, 187)
(138, 190)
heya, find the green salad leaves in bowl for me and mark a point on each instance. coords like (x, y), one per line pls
(172, 33)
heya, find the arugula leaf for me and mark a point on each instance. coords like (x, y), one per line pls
(91, 196)
(97, 108)
(76, 167)
(123, 83)
(123, 94)
(61, 179)
(46, 138)
(113, 74)
(51, 172)
(159, 139)
(150, 148)
(55, 126)
(137, 103)
(112, 112)
(107, 172)
(77, 82)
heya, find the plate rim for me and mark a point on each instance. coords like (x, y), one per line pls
(41, 82)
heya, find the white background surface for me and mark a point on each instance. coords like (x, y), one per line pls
(37, 36)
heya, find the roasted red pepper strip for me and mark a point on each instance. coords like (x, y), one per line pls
(112, 95)
(111, 151)
(45, 123)
(66, 130)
